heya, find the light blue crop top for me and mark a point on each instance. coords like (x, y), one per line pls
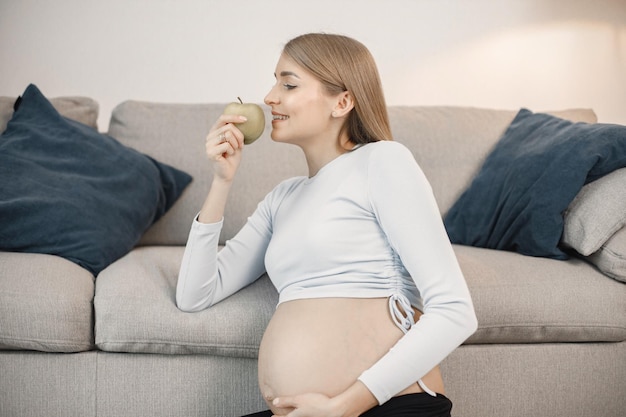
(366, 225)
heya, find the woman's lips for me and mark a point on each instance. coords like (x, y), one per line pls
(276, 116)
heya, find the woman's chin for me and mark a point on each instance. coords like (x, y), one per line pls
(278, 138)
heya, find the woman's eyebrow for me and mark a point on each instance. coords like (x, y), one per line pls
(287, 74)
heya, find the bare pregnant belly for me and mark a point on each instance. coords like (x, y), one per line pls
(323, 346)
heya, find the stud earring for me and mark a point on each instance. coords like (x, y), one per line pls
(334, 114)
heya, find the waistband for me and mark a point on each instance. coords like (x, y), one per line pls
(419, 404)
(413, 405)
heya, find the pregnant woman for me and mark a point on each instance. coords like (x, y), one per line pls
(371, 296)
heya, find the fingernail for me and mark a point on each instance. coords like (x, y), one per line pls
(243, 118)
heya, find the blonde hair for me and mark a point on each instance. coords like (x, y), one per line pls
(344, 64)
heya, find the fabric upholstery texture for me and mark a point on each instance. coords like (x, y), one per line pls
(521, 299)
(177, 385)
(534, 172)
(25, 390)
(596, 213)
(80, 109)
(509, 293)
(97, 384)
(611, 257)
(46, 304)
(594, 224)
(546, 379)
(136, 310)
(68, 190)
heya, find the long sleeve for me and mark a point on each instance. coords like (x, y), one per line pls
(407, 211)
(207, 275)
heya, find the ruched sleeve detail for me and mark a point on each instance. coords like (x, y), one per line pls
(408, 214)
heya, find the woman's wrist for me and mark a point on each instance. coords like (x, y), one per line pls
(354, 401)
(213, 209)
(221, 182)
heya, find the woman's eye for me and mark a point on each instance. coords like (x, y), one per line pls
(289, 86)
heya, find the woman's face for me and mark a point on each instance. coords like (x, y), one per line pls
(301, 108)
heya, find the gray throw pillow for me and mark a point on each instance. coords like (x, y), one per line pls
(611, 257)
(596, 213)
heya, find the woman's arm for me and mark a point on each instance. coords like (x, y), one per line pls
(224, 145)
(207, 276)
(200, 282)
(408, 213)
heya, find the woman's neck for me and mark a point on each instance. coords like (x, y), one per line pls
(320, 154)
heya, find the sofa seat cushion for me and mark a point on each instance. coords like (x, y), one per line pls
(46, 304)
(136, 310)
(523, 299)
(518, 299)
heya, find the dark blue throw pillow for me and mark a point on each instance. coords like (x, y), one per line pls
(67, 190)
(517, 200)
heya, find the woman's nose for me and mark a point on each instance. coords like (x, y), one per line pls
(270, 98)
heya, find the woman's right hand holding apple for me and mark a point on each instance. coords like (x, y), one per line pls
(224, 145)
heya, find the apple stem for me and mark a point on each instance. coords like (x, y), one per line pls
(238, 98)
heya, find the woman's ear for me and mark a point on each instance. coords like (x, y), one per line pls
(345, 103)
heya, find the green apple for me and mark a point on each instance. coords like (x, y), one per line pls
(254, 126)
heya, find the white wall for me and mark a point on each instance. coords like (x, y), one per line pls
(540, 54)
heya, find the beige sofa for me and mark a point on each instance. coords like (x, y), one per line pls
(551, 338)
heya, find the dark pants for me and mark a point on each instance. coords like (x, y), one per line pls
(409, 405)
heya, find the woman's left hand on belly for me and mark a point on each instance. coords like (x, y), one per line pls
(306, 405)
(352, 402)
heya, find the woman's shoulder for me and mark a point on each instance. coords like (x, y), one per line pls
(391, 161)
(385, 146)
(388, 152)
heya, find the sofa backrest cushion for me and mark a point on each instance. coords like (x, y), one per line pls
(175, 134)
(450, 144)
(80, 109)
